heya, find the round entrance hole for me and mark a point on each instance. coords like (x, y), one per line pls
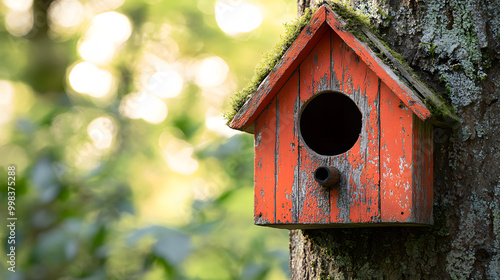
(330, 123)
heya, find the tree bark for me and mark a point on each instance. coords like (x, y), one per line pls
(454, 46)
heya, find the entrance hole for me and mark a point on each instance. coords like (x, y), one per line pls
(330, 123)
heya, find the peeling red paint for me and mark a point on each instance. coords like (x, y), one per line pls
(265, 142)
(314, 202)
(396, 158)
(287, 152)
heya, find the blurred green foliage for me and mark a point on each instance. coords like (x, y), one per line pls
(103, 195)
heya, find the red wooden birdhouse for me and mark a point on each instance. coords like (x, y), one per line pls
(340, 139)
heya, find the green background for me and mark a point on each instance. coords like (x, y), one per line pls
(132, 199)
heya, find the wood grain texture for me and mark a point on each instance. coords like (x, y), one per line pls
(422, 171)
(359, 188)
(314, 199)
(264, 170)
(287, 177)
(396, 156)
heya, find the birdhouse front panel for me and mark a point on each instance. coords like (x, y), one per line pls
(338, 141)
(285, 163)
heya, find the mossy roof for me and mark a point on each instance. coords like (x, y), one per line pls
(358, 25)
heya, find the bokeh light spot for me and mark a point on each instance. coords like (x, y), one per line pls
(235, 17)
(18, 5)
(211, 72)
(65, 14)
(216, 123)
(112, 25)
(179, 157)
(87, 78)
(107, 5)
(102, 131)
(6, 92)
(6, 100)
(19, 23)
(165, 84)
(97, 50)
(142, 105)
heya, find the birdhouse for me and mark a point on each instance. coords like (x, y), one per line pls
(340, 139)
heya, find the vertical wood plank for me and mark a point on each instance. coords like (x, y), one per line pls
(358, 195)
(287, 151)
(339, 196)
(422, 171)
(264, 178)
(314, 199)
(396, 152)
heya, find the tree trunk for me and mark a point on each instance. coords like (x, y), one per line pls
(454, 46)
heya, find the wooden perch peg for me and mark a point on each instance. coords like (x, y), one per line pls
(327, 176)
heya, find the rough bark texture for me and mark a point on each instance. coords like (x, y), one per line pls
(454, 46)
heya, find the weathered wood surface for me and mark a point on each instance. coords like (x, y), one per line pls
(422, 171)
(287, 174)
(360, 165)
(314, 199)
(264, 170)
(376, 65)
(396, 156)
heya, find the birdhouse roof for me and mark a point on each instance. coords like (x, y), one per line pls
(410, 93)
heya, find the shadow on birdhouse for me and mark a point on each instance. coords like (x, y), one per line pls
(333, 145)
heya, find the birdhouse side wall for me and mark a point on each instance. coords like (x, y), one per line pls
(423, 139)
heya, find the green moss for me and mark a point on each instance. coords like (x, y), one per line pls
(354, 23)
(399, 57)
(442, 111)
